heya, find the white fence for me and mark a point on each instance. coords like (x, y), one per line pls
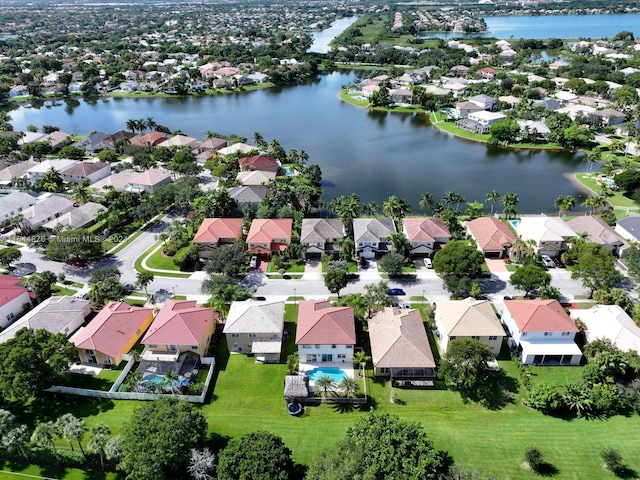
(115, 395)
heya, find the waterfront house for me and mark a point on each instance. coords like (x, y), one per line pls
(609, 322)
(180, 326)
(463, 109)
(148, 181)
(400, 347)
(92, 171)
(58, 139)
(493, 237)
(264, 163)
(179, 141)
(30, 137)
(13, 298)
(211, 144)
(599, 232)
(112, 333)
(14, 204)
(236, 148)
(55, 315)
(94, 142)
(468, 319)
(325, 333)
(486, 119)
(541, 332)
(256, 328)
(269, 236)
(426, 235)
(371, 236)
(485, 102)
(216, 232)
(319, 235)
(151, 139)
(247, 195)
(255, 178)
(549, 234)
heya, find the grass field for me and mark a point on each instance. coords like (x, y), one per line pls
(617, 200)
(138, 265)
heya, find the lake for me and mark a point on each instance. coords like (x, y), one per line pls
(322, 38)
(373, 154)
(553, 26)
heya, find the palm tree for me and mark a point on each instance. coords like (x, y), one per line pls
(510, 201)
(71, 428)
(595, 203)
(395, 207)
(348, 385)
(326, 383)
(346, 246)
(134, 379)
(150, 123)
(169, 380)
(361, 358)
(132, 125)
(16, 438)
(143, 279)
(82, 193)
(493, 196)
(98, 440)
(7, 421)
(140, 125)
(591, 158)
(564, 204)
(45, 435)
(113, 449)
(52, 180)
(426, 201)
(260, 142)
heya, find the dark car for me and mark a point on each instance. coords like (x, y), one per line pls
(364, 263)
(395, 291)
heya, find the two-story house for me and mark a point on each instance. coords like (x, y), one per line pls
(13, 298)
(325, 333)
(256, 328)
(426, 235)
(13, 204)
(148, 181)
(549, 234)
(468, 319)
(319, 235)
(269, 236)
(94, 142)
(259, 162)
(371, 236)
(542, 332)
(179, 326)
(91, 171)
(599, 232)
(215, 232)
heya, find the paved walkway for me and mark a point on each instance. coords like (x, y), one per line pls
(496, 265)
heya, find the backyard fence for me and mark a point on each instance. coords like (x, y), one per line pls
(115, 395)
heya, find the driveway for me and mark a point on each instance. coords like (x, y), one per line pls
(496, 265)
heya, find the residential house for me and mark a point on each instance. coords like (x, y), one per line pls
(236, 148)
(460, 71)
(548, 103)
(493, 237)
(319, 235)
(13, 298)
(426, 235)
(149, 181)
(528, 127)
(487, 119)
(19, 91)
(325, 333)
(121, 135)
(259, 162)
(245, 194)
(215, 232)
(485, 102)
(38, 171)
(401, 96)
(94, 142)
(599, 232)
(112, 333)
(180, 326)
(629, 228)
(80, 217)
(371, 236)
(47, 208)
(255, 178)
(400, 347)
(468, 319)
(609, 322)
(550, 234)
(463, 109)
(119, 181)
(179, 141)
(30, 137)
(488, 73)
(211, 144)
(58, 139)
(151, 139)
(14, 204)
(610, 116)
(542, 332)
(256, 328)
(92, 171)
(17, 170)
(269, 236)
(55, 315)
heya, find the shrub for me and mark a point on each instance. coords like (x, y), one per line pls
(545, 397)
(612, 460)
(533, 457)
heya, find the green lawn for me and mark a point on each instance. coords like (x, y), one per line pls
(61, 291)
(289, 267)
(62, 473)
(617, 200)
(102, 381)
(138, 265)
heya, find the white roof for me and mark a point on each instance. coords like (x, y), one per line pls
(236, 147)
(488, 116)
(545, 347)
(60, 165)
(611, 322)
(543, 228)
(255, 317)
(566, 96)
(266, 346)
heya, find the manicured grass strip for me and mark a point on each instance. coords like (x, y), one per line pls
(617, 199)
(292, 267)
(62, 291)
(102, 381)
(138, 266)
(58, 472)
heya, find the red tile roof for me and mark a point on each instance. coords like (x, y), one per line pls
(425, 229)
(258, 162)
(213, 229)
(112, 328)
(10, 289)
(491, 234)
(264, 230)
(540, 316)
(180, 323)
(149, 177)
(321, 324)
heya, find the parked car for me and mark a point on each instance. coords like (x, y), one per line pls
(395, 291)
(253, 263)
(547, 262)
(428, 263)
(364, 263)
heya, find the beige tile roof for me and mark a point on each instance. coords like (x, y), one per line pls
(399, 340)
(491, 234)
(467, 318)
(425, 229)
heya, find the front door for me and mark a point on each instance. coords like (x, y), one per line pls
(327, 357)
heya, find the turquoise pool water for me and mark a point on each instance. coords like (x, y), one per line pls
(157, 379)
(335, 373)
(514, 223)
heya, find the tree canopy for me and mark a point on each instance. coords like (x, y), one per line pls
(529, 278)
(465, 365)
(595, 266)
(228, 259)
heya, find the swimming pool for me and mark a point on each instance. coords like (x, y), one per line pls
(514, 223)
(335, 373)
(158, 379)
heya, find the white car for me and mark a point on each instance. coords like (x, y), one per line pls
(428, 263)
(253, 263)
(547, 262)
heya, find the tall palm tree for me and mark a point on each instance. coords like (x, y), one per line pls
(132, 125)
(591, 158)
(71, 428)
(52, 180)
(326, 383)
(346, 246)
(564, 204)
(510, 201)
(395, 207)
(16, 438)
(348, 385)
(426, 201)
(493, 196)
(150, 123)
(82, 193)
(260, 142)
(134, 379)
(98, 441)
(45, 435)
(169, 380)
(361, 358)
(113, 449)
(595, 202)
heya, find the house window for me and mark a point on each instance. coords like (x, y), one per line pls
(475, 337)
(87, 351)
(106, 360)
(452, 337)
(349, 347)
(333, 346)
(312, 357)
(304, 347)
(548, 334)
(565, 334)
(194, 347)
(153, 345)
(172, 348)
(235, 344)
(235, 335)
(493, 337)
(342, 356)
(317, 346)
(524, 334)
(252, 335)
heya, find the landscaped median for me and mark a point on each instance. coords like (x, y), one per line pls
(153, 261)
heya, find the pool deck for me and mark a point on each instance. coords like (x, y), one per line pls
(346, 367)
